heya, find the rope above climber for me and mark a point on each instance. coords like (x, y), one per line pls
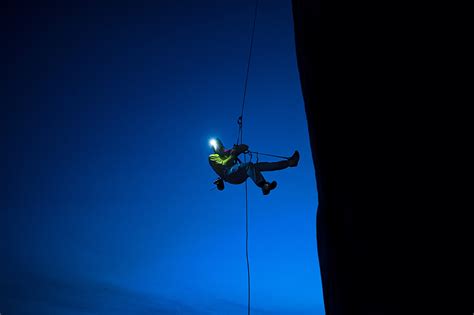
(226, 164)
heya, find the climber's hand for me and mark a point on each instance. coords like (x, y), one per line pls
(240, 148)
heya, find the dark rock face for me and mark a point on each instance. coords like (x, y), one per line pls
(388, 223)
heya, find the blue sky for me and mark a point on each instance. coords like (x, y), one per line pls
(106, 185)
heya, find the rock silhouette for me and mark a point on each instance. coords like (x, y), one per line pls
(380, 151)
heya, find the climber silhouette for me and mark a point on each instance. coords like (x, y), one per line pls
(230, 169)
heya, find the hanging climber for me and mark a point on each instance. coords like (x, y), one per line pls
(230, 169)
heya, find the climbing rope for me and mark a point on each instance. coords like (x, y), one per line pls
(240, 119)
(272, 155)
(239, 141)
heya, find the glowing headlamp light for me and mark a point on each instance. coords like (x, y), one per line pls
(213, 143)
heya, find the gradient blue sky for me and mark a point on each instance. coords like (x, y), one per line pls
(106, 204)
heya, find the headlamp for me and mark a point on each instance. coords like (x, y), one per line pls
(213, 143)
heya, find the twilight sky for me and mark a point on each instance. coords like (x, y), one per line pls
(106, 207)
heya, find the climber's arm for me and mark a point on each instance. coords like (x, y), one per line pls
(229, 159)
(238, 149)
(222, 160)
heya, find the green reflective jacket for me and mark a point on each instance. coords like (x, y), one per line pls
(221, 163)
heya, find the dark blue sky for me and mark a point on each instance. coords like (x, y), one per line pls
(106, 204)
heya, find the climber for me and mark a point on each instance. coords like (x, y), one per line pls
(230, 169)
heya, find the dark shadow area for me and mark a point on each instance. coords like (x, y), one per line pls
(387, 136)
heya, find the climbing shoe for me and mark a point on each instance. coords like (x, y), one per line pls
(219, 184)
(293, 160)
(267, 187)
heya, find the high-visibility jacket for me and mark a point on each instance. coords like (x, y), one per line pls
(221, 163)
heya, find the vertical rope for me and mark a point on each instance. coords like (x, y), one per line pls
(240, 121)
(245, 160)
(239, 141)
(247, 248)
(250, 57)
